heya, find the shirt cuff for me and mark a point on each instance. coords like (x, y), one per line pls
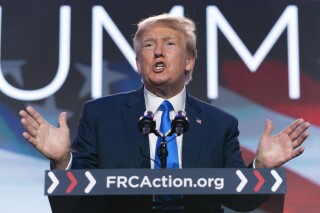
(70, 162)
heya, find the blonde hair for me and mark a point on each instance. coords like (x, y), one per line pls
(182, 24)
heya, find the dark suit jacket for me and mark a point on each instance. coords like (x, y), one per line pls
(108, 138)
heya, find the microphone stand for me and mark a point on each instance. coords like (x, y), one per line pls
(163, 152)
(147, 125)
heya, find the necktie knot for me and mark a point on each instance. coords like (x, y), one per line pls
(166, 106)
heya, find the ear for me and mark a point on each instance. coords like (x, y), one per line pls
(190, 63)
(138, 64)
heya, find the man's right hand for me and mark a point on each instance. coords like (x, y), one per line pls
(53, 143)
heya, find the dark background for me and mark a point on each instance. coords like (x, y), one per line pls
(30, 58)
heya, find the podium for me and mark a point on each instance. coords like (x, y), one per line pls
(85, 190)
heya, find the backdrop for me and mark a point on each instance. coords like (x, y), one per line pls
(256, 60)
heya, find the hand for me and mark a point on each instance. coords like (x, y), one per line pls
(52, 142)
(274, 151)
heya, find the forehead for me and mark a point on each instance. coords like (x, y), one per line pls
(162, 31)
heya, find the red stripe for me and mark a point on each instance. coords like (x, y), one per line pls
(260, 180)
(73, 183)
(269, 86)
(302, 194)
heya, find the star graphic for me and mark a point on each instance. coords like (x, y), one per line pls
(109, 76)
(13, 68)
(50, 111)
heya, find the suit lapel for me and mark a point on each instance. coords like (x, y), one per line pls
(134, 109)
(192, 139)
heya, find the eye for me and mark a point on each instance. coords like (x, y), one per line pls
(148, 45)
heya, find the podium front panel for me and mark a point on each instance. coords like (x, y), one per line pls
(165, 181)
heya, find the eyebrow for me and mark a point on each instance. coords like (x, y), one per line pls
(165, 38)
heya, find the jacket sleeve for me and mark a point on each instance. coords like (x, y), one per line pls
(241, 203)
(84, 147)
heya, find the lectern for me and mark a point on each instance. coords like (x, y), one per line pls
(97, 190)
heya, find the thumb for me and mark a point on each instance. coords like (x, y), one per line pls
(63, 120)
(268, 127)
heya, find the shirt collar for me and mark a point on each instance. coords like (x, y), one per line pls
(153, 101)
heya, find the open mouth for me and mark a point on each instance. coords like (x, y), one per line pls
(159, 66)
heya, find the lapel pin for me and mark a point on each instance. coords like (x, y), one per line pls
(198, 121)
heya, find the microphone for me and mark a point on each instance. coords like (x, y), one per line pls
(146, 123)
(180, 123)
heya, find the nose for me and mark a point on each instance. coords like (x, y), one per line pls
(158, 51)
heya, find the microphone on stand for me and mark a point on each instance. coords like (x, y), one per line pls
(147, 124)
(180, 124)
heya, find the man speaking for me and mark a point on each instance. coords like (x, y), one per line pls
(108, 137)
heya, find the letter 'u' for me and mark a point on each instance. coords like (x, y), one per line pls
(63, 67)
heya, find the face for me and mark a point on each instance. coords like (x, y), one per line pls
(163, 61)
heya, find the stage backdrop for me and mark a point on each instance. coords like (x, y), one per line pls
(256, 60)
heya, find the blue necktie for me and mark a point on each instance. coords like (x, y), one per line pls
(165, 126)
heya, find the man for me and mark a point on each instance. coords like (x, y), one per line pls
(108, 137)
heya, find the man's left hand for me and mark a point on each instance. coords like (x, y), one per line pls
(274, 151)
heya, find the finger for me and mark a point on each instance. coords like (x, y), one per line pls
(29, 138)
(298, 152)
(293, 126)
(63, 120)
(299, 130)
(28, 127)
(23, 114)
(300, 139)
(29, 119)
(268, 127)
(35, 115)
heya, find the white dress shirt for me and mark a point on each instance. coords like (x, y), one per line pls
(152, 104)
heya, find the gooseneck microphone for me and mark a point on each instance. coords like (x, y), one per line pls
(146, 123)
(180, 123)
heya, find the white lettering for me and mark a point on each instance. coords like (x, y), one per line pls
(110, 180)
(102, 20)
(289, 18)
(145, 182)
(177, 10)
(164, 181)
(122, 181)
(131, 183)
(134, 182)
(210, 181)
(202, 182)
(63, 67)
(170, 181)
(219, 183)
(177, 182)
(187, 182)
(156, 182)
